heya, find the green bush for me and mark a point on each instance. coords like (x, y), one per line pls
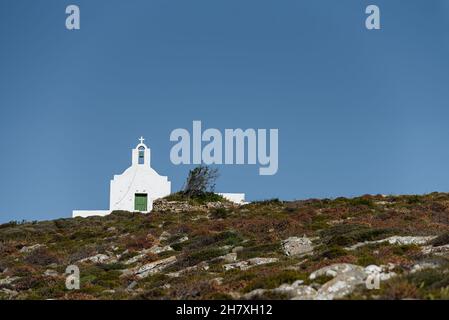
(259, 250)
(330, 252)
(219, 213)
(275, 280)
(196, 257)
(429, 279)
(348, 234)
(41, 257)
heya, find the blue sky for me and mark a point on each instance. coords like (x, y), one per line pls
(358, 111)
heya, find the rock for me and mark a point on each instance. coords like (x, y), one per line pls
(132, 285)
(31, 248)
(135, 258)
(217, 281)
(244, 265)
(182, 240)
(295, 246)
(8, 280)
(255, 294)
(294, 291)
(382, 271)
(373, 269)
(50, 273)
(109, 291)
(162, 205)
(422, 266)
(154, 267)
(337, 269)
(305, 293)
(237, 249)
(408, 240)
(154, 250)
(438, 251)
(396, 240)
(99, 258)
(157, 249)
(339, 287)
(10, 293)
(346, 277)
(164, 236)
(230, 257)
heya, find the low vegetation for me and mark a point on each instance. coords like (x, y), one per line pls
(34, 255)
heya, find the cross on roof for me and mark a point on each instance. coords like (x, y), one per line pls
(141, 139)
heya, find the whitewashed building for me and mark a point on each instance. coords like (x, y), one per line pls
(136, 188)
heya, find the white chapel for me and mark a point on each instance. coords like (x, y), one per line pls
(136, 188)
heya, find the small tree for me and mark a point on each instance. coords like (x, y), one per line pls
(200, 180)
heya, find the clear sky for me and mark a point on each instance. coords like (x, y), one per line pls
(358, 111)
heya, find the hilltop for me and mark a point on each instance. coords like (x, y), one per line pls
(310, 249)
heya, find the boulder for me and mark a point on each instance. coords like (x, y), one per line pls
(346, 277)
(338, 269)
(305, 293)
(339, 287)
(295, 246)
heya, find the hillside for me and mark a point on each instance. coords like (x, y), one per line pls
(312, 249)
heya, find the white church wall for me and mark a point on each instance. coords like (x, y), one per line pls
(140, 178)
(137, 179)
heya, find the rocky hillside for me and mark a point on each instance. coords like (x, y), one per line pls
(313, 249)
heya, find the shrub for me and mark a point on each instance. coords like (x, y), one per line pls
(268, 201)
(139, 242)
(200, 181)
(259, 250)
(41, 257)
(331, 252)
(275, 280)
(219, 213)
(429, 279)
(349, 234)
(196, 257)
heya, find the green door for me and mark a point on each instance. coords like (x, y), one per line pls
(140, 202)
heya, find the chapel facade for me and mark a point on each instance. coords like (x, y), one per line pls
(136, 188)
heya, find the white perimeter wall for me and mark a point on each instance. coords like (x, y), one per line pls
(238, 198)
(90, 213)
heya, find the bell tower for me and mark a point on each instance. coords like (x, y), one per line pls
(141, 154)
